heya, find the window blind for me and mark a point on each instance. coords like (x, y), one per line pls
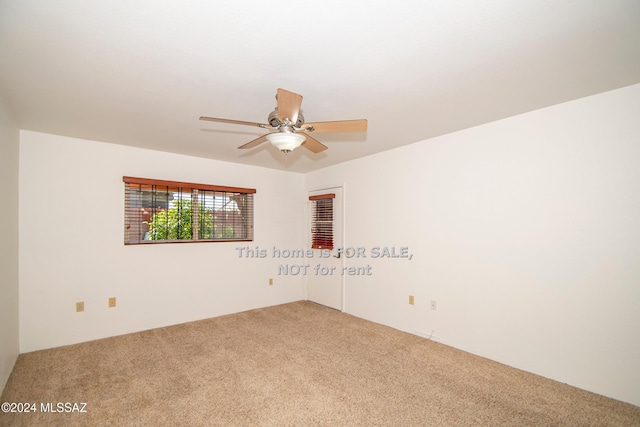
(158, 211)
(322, 219)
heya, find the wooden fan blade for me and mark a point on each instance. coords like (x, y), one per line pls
(313, 144)
(234, 122)
(288, 105)
(339, 126)
(254, 143)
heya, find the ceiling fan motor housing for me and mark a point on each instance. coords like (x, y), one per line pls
(275, 122)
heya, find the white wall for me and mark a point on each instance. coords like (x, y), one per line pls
(71, 244)
(9, 338)
(526, 233)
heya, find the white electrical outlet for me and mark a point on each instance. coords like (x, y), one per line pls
(433, 305)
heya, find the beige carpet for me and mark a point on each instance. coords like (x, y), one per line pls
(297, 364)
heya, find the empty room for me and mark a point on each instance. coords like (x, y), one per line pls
(320, 213)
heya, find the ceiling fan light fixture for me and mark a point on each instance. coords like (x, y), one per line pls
(285, 141)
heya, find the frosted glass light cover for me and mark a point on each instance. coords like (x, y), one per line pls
(286, 141)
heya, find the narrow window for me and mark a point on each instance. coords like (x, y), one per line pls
(322, 221)
(158, 211)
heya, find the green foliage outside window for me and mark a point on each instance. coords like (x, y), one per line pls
(176, 223)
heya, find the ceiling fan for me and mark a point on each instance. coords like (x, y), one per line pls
(290, 129)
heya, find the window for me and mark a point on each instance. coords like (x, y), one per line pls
(322, 221)
(169, 212)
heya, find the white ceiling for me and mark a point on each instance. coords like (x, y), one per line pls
(140, 72)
